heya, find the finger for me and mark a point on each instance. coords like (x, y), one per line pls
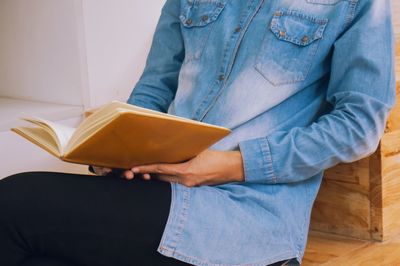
(146, 176)
(100, 170)
(128, 175)
(169, 178)
(166, 169)
(106, 170)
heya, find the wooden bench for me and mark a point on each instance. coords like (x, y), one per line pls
(362, 199)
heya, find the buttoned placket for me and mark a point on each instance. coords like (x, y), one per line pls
(230, 53)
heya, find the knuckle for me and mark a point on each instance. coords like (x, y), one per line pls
(159, 169)
(183, 171)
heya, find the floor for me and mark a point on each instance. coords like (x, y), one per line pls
(330, 250)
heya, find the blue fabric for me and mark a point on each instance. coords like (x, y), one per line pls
(303, 84)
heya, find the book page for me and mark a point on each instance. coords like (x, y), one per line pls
(61, 133)
(89, 127)
(40, 137)
(108, 112)
(149, 112)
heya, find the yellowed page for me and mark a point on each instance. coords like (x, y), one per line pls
(125, 107)
(89, 129)
(40, 137)
(60, 133)
(105, 114)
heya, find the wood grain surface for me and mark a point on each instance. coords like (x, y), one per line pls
(322, 248)
(330, 250)
(362, 199)
(343, 204)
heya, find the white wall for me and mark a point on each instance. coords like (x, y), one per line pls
(39, 51)
(118, 36)
(64, 50)
(70, 52)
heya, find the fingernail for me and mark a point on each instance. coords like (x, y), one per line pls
(135, 170)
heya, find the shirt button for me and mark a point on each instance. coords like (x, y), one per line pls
(221, 77)
(204, 18)
(238, 29)
(189, 22)
(305, 39)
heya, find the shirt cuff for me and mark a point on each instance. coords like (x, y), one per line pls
(257, 161)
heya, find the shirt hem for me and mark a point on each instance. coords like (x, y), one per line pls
(196, 261)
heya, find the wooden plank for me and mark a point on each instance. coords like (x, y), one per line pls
(322, 248)
(362, 199)
(375, 195)
(343, 205)
(390, 152)
(355, 173)
(398, 52)
(375, 253)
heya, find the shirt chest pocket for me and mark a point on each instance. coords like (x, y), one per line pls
(289, 46)
(197, 20)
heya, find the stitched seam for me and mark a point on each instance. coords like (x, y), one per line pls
(267, 154)
(352, 12)
(170, 214)
(183, 216)
(192, 259)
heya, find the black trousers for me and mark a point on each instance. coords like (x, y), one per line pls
(49, 218)
(59, 219)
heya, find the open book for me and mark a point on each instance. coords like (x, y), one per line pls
(121, 135)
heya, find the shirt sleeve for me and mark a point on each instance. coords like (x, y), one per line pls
(361, 91)
(157, 86)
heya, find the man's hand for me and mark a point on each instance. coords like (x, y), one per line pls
(208, 168)
(101, 170)
(98, 170)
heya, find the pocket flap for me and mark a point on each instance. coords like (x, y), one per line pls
(296, 27)
(198, 13)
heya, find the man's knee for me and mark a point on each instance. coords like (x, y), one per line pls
(14, 190)
(17, 177)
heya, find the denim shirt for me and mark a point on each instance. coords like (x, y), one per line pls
(302, 84)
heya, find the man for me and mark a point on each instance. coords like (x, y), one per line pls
(303, 84)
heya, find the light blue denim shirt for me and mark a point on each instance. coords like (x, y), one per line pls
(303, 84)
